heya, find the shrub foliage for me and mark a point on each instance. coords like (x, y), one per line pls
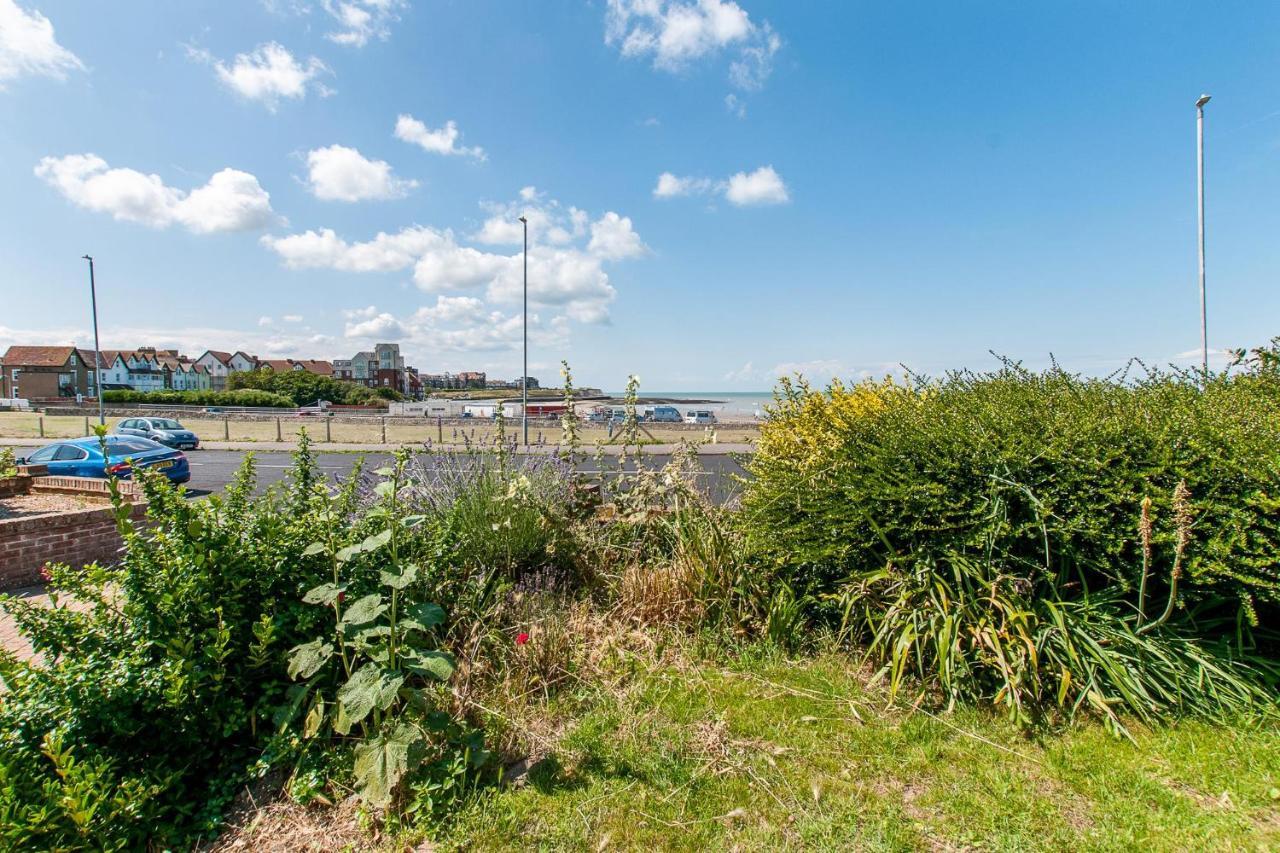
(983, 531)
(241, 397)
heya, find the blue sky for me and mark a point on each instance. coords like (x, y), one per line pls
(848, 185)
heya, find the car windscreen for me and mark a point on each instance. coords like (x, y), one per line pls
(127, 446)
(165, 423)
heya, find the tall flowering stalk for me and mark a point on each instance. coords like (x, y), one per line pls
(570, 441)
(630, 422)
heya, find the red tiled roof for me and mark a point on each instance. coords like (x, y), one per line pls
(38, 356)
(279, 365)
(316, 366)
(222, 357)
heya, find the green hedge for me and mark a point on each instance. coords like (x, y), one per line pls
(986, 534)
(242, 397)
(1044, 472)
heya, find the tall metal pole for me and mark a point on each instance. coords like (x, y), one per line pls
(524, 378)
(97, 358)
(1204, 323)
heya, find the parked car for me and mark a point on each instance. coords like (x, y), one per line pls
(167, 431)
(82, 457)
(699, 416)
(665, 415)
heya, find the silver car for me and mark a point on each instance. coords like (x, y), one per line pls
(167, 431)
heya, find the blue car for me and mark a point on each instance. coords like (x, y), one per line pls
(82, 457)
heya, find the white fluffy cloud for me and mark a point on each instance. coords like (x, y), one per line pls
(383, 326)
(358, 21)
(28, 46)
(455, 324)
(442, 141)
(613, 238)
(671, 186)
(325, 249)
(567, 257)
(763, 186)
(338, 173)
(267, 74)
(231, 201)
(676, 33)
(192, 340)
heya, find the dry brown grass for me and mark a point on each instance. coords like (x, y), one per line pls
(664, 594)
(283, 826)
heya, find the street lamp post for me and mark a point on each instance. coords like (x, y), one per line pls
(524, 378)
(1204, 325)
(97, 358)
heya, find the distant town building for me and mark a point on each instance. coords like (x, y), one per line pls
(44, 372)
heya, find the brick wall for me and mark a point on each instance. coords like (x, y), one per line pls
(18, 485)
(77, 538)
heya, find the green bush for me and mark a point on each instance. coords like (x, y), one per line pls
(151, 704)
(240, 397)
(305, 388)
(1038, 480)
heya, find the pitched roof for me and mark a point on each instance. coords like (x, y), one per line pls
(39, 356)
(222, 357)
(315, 365)
(86, 355)
(279, 365)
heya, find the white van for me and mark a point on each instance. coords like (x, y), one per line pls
(699, 416)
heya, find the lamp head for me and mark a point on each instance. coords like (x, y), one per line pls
(524, 220)
(87, 257)
(1202, 100)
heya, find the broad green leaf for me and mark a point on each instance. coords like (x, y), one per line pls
(425, 614)
(364, 610)
(429, 664)
(348, 552)
(368, 636)
(315, 717)
(376, 541)
(370, 686)
(326, 593)
(286, 713)
(384, 489)
(411, 521)
(382, 761)
(305, 660)
(313, 548)
(385, 471)
(399, 577)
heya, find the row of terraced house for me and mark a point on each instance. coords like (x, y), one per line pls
(44, 372)
(48, 372)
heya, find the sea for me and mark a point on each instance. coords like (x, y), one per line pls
(727, 405)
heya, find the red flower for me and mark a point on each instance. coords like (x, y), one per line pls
(522, 638)
(342, 596)
(44, 574)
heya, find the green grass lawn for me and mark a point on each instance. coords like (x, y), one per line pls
(764, 753)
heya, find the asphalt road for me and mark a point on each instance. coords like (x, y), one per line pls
(212, 470)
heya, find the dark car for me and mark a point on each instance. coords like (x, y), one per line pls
(83, 457)
(167, 431)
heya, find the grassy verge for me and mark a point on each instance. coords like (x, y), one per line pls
(20, 425)
(767, 753)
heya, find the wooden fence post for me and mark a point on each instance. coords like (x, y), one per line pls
(226, 427)
(384, 430)
(328, 428)
(278, 437)
(40, 420)
(439, 430)
(86, 424)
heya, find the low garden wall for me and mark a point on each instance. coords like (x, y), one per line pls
(76, 537)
